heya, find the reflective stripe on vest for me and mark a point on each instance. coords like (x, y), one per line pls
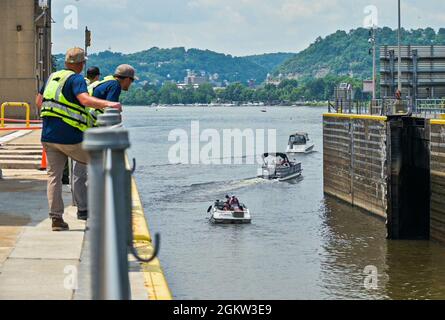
(56, 105)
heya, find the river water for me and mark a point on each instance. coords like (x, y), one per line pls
(301, 244)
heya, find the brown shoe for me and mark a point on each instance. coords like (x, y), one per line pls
(60, 225)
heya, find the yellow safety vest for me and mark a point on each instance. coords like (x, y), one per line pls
(56, 105)
(96, 112)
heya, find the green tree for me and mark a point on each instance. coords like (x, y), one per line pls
(169, 94)
(204, 93)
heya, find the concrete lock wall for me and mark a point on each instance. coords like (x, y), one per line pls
(355, 167)
(437, 225)
(24, 53)
(393, 167)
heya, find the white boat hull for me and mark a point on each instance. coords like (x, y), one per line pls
(301, 149)
(230, 217)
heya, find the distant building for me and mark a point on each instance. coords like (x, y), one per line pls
(423, 72)
(184, 86)
(251, 84)
(274, 81)
(193, 79)
(25, 51)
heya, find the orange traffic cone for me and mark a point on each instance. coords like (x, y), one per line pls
(43, 164)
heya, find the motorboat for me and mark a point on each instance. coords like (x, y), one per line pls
(300, 143)
(277, 166)
(221, 213)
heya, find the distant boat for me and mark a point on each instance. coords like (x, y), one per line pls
(277, 166)
(299, 143)
(220, 214)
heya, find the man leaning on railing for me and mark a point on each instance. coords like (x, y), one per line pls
(65, 118)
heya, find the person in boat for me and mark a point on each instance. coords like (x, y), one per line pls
(235, 204)
(227, 203)
(234, 201)
(286, 163)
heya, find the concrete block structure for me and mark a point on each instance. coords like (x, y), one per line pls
(423, 71)
(25, 52)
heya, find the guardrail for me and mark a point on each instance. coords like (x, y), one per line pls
(379, 107)
(430, 106)
(349, 106)
(15, 104)
(110, 208)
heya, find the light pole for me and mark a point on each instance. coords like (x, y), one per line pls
(372, 40)
(87, 44)
(399, 70)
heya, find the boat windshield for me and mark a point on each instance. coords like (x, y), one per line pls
(297, 140)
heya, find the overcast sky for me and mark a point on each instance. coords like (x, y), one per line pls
(237, 27)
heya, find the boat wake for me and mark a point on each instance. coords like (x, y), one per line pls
(203, 191)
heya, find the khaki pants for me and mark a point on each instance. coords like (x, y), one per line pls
(57, 155)
(80, 186)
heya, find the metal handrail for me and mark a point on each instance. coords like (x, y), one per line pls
(381, 107)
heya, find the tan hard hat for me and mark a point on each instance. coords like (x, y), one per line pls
(125, 71)
(75, 55)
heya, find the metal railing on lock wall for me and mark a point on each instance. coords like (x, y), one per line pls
(110, 208)
(379, 107)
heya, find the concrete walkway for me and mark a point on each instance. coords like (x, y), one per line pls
(38, 264)
(35, 263)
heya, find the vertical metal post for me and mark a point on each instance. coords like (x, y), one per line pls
(45, 45)
(399, 70)
(96, 178)
(392, 73)
(87, 44)
(415, 78)
(374, 63)
(109, 213)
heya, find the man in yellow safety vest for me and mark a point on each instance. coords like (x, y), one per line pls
(108, 89)
(111, 87)
(65, 118)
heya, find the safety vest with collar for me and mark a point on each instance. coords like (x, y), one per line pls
(56, 105)
(96, 112)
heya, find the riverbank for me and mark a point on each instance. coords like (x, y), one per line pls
(225, 105)
(38, 264)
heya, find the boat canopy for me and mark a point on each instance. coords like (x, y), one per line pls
(276, 155)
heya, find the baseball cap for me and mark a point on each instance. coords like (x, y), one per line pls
(125, 71)
(75, 55)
